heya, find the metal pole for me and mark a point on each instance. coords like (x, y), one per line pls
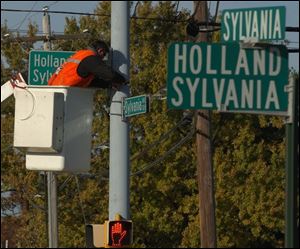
(52, 184)
(119, 166)
(292, 159)
(52, 210)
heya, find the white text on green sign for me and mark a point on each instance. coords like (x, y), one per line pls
(212, 76)
(260, 23)
(42, 64)
(135, 105)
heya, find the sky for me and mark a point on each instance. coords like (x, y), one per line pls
(19, 20)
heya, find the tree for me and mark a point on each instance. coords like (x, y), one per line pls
(249, 168)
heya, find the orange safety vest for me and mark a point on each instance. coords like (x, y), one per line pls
(66, 75)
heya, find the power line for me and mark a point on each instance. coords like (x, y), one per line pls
(288, 29)
(26, 31)
(19, 25)
(53, 3)
(177, 6)
(80, 201)
(48, 6)
(209, 5)
(216, 11)
(150, 165)
(214, 24)
(135, 8)
(45, 38)
(57, 12)
(163, 137)
(93, 14)
(64, 183)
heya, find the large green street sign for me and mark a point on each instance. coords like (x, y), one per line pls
(264, 24)
(224, 76)
(42, 64)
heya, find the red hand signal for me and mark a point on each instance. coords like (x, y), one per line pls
(117, 234)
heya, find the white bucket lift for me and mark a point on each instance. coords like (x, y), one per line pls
(54, 124)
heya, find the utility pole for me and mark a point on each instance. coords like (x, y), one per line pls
(52, 181)
(204, 155)
(46, 29)
(119, 167)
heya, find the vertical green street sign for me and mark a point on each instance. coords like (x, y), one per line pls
(42, 64)
(264, 24)
(135, 105)
(227, 77)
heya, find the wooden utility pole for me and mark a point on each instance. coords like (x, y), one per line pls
(204, 155)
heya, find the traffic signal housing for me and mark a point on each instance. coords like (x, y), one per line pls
(95, 235)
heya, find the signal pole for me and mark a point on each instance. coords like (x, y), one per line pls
(204, 155)
(119, 167)
(291, 236)
(52, 181)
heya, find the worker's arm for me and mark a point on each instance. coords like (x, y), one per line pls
(103, 73)
(100, 83)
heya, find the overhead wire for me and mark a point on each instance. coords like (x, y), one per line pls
(158, 95)
(161, 158)
(216, 12)
(60, 188)
(38, 31)
(80, 201)
(95, 14)
(209, 5)
(176, 11)
(135, 9)
(23, 20)
(48, 6)
(175, 19)
(55, 2)
(163, 137)
(58, 12)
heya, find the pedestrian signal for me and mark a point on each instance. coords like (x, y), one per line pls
(119, 233)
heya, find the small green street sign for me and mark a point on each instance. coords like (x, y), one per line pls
(135, 105)
(226, 77)
(42, 64)
(264, 24)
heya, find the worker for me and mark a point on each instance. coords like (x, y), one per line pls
(86, 68)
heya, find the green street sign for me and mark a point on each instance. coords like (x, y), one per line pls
(264, 24)
(42, 64)
(135, 105)
(226, 77)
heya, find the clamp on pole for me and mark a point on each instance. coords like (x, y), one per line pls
(290, 90)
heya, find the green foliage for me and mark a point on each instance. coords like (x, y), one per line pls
(248, 156)
(249, 173)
